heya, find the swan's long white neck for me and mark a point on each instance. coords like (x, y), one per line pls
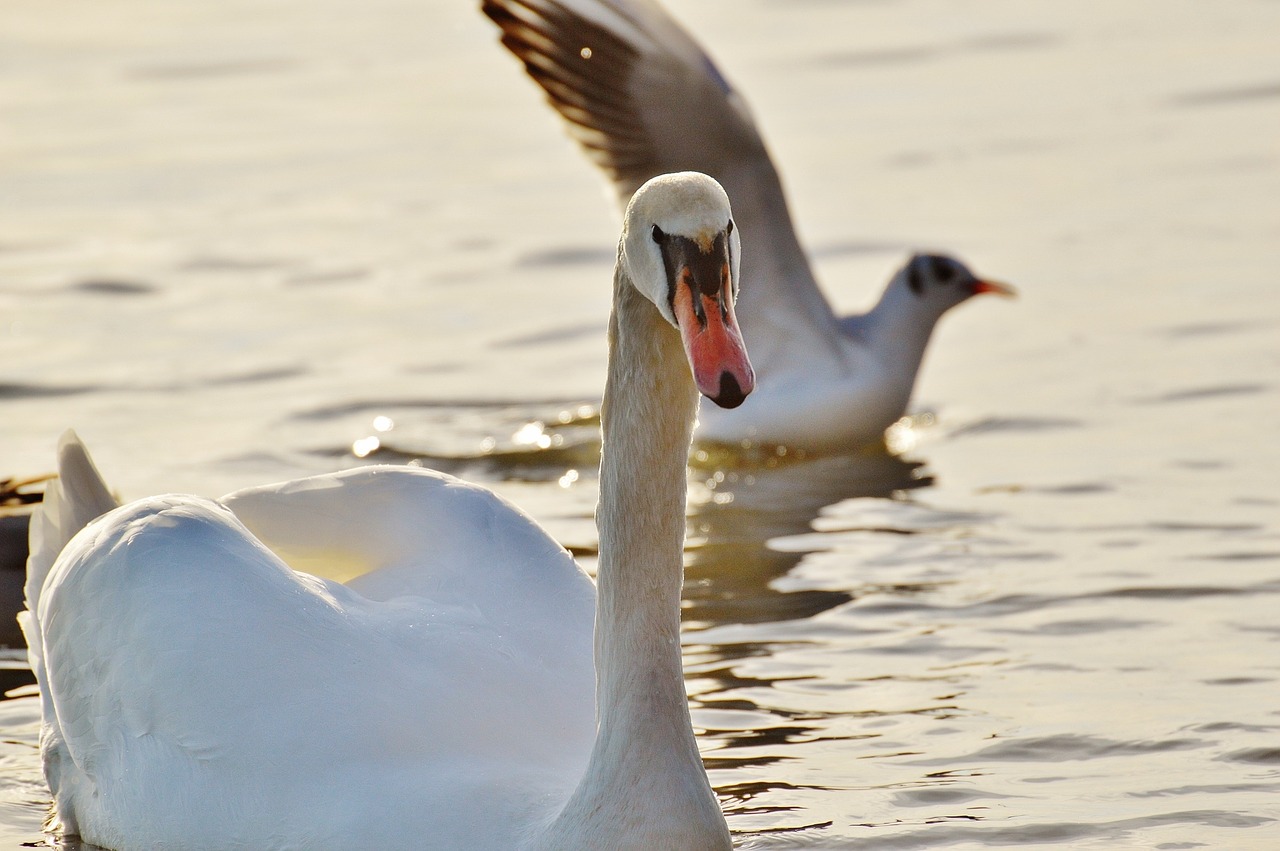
(645, 779)
(648, 414)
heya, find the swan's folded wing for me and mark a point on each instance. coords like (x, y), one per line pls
(396, 532)
(638, 93)
(488, 603)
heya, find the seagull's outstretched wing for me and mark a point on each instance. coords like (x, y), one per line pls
(638, 93)
(642, 99)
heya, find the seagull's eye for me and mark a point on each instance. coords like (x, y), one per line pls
(658, 236)
(943, 271)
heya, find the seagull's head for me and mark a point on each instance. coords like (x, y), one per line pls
(943, 282)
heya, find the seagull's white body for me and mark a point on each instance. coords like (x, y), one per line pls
(642, 97)
(200, 693)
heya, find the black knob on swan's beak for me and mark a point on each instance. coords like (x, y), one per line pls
(731, 394)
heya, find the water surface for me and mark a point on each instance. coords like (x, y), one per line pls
(241, 242)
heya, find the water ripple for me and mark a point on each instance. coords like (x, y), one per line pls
(1069, 748)
(106, 286)
(18, 390)
(1254, 756)
(1228, 96)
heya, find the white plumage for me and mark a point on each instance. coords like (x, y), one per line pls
(201, 693)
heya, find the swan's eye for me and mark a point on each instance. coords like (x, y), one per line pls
(658, 236)
(729, 228)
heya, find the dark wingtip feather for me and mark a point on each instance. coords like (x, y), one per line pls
(589, 90)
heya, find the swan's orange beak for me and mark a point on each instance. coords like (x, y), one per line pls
(712, 340)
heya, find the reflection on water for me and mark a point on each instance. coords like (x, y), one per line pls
(737, 506)
(735, 512)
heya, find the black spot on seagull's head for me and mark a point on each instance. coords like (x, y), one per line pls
(944, 270)
(925, 272)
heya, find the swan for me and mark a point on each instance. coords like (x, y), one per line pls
(641, 97)
(471, 688)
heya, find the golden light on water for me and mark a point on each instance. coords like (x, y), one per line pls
(532, 434)
(582, 412)
(366, 446)
(568, 478)
(904, 435)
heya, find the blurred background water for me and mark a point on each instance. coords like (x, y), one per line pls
(243, 241)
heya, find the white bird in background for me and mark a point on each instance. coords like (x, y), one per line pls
(641, 97)
(200, 693)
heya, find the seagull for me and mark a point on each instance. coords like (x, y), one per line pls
(641, 97)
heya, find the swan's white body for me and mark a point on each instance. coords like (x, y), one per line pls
(199, 693)
(642, 98)
(205, 695)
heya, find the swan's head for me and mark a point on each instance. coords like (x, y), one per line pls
(680, 249)
(944, 282)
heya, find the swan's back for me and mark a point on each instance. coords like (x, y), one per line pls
(203, 694)
(402, 531)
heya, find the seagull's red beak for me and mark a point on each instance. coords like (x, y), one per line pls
(981, 286)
